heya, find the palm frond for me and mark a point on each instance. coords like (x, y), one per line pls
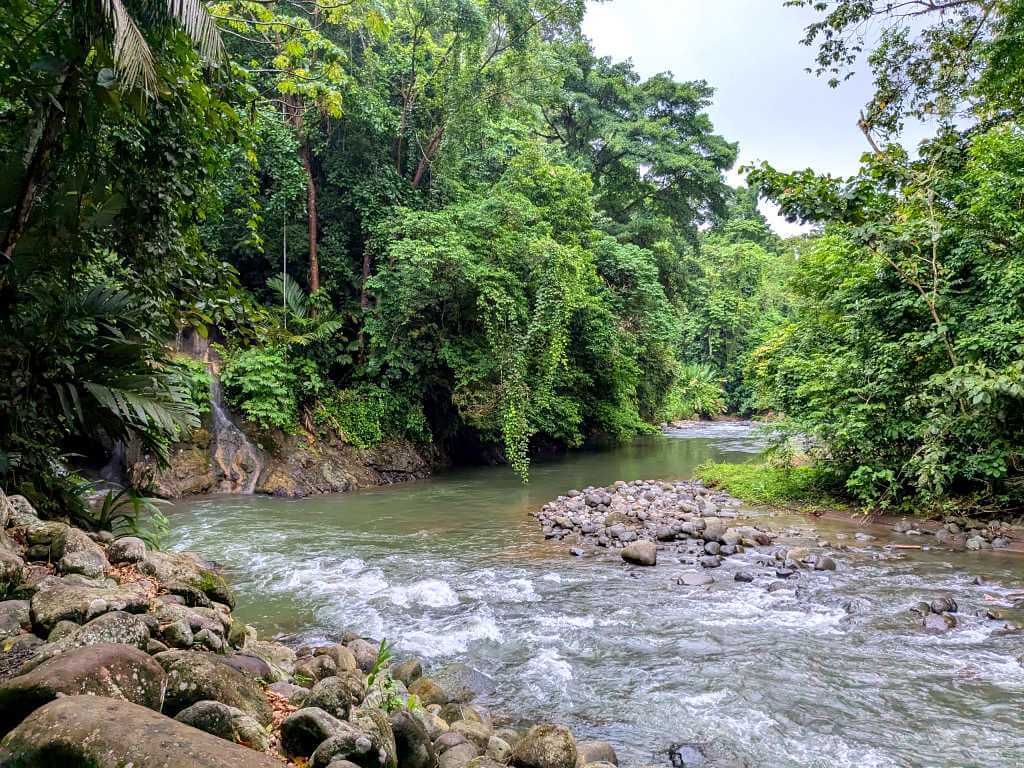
(199, 25)
(293, 296)
(133, 58)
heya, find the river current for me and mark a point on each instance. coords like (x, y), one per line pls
(832, 671)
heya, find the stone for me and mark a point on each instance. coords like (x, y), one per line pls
(75, 552)
(193, 597)
(116, 627)
(408, 671)
(412, 741)
(313, 668)
(21, 513)
(458, 756)
(15, 616)
(177, 634)
(205, 638)
(114, 671)
(280, 657)
(347, 747)
(641, 553)
(295, 694)
(943, 605)
(483, 761)
(337, 695)
(194, 676)
(498, 749)
(785, 573)
(714, 528)
(696, 579)
(365, 653)
(344, 659)
(824, 563)
(228, 723)
(306, 729)
(433, 724)
(428, 692)
(59, 599)
(153, 647)
(939, 622)
(474, 731)
(710, 561)
(594, 751)
(185, 567)
(77, 731)
(250, 665)
(461, 682)
(744, 576)
(545, 746)
(375, 724)
(127, 549)
(12, 573)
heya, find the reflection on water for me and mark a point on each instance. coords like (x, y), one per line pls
(831, 673)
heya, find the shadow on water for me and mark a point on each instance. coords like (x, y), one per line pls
(833, 672)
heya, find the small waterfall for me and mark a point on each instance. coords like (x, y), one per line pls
(237, 460)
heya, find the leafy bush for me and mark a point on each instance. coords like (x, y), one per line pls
(197, 379)
(697, 391)
(125, 513)
(262, 382)
(368, 415)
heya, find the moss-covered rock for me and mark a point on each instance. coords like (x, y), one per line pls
(545, 746)
(187, 568)
(64, 599)
(228, 723)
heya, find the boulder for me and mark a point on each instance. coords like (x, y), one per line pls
(14, 616)
(412, 741)
(347, 747)
(113, 671)
(594, 751)
(21, 512)
(365, 653)
(407, 671)
(228, 723)
(498, 749)
(696, 579)
(474, 732)
(375, 724)
(641, 553)
(177, 634)
(458, 756)
(77, 553)
(58, 599)
(313, 668)
(187, 568)
(461, 683)
(250, 665)
(343, 658)
(434, 725)
(306, 729)
(280, 657)
(93, 732)
(337, 695)
(195, 676)
(428, 692)
(483, 761)
(12, 573)
(115, 627)
(127, 549)
(545, 746)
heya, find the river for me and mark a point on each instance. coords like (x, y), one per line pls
(833, 673)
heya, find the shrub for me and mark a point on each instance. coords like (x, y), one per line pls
(262, 383)
(368, 415)
(697, 391)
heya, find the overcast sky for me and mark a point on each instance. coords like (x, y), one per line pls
(750, 52)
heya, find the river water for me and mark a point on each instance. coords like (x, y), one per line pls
(833, 673)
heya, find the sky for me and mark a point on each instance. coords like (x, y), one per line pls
(750, 52)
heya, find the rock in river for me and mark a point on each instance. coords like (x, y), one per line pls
(641, 553)
(94, 732)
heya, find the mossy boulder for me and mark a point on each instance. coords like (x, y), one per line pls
(58, 599)
(337, 694)
(303, 731)
(95, 732)
(194, 676)
(412, 741)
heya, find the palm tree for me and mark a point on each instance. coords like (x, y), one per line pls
(114, 29)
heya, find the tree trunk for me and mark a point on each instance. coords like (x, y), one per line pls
(428, 155)
(364, 296)
(314, 264)
(38, 164)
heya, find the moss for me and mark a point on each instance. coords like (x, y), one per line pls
(767, 484)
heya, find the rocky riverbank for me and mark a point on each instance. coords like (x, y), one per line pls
(112, 654)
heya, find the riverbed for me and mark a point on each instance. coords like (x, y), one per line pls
(831, 671)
